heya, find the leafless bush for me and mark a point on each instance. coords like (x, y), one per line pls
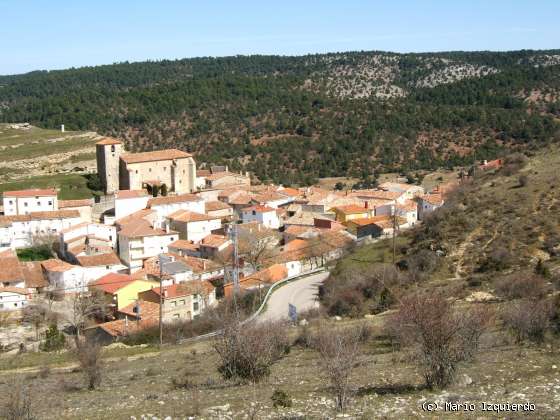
(339, 350)
(89, 357)
(528, 319)
(18, 402)
(248, 351)
(521, 285)
(439, 336)
(514, 163)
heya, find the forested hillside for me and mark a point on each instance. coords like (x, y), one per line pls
(294, 119)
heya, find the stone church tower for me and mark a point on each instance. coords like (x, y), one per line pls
(108, 152)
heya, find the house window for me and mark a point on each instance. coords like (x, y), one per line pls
(106, 267)
(195, 306)
(50, 203)
(136, 171)
(165, 168)
(254, 212)
(113, 148)
(176, 316)
(182, 302)
(25, 204)
(11, 202)
(174, 303)
(149, 169)
(15, 304)
(110, 237)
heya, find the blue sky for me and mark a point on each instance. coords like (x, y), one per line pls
(54, 34)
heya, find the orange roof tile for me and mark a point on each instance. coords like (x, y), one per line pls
(183, 244)
(190, 216)
(10, 289)
(33, 192)
(351, 209)
(216, 205)
(259, 209)
(121, 327)
(112, 282)
(148, 310)
(108, 141)
(214, 241)
(74, 203)
(100, 259)
(11, 268)
(56, 265)
(124, 194)
(434, 199)
(193, 287)
(157, 155)
(33, 275)
(171, 199)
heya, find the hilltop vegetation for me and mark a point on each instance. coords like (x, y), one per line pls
(294, 119)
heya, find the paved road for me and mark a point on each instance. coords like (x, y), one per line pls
(301, 293)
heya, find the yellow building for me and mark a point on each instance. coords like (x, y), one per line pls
(350, 212)
(123, 289)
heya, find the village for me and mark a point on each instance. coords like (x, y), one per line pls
(168, 240)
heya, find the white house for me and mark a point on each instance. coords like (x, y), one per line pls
(428, 203)
(193, 226)
(87, 234)
(12, 298)
(272, 199)
(28, 201)
(84, 207)
(64, 277)
(96, 266)
(164, 206)
(408, 190)
(139, 240)
(130, 201)
(408, 211)
(24, 229)
(264, 215)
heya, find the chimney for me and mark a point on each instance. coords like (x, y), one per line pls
(164, 293)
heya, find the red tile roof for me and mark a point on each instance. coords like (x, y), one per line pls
(100, 259)
(123, 194)
(33, 192)
(259, 209)
(183, 244)
(214, 241)
(216, 205)
(351, 209)
(171, 199)
(433, 199)
(42, 215)
(148, 310)
(121, 327)
(108, 141)
(56, 265)
(11, 271)
(157, 155)
(10, 289)
(112, 282)
(193, 287)
(74, 203)
(33, 275)
(190, 216)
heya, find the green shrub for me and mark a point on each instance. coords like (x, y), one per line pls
(280, 399)
(54, 340)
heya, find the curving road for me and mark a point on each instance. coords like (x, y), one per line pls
(302, 293)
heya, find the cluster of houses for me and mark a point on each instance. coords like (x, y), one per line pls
(164, 234)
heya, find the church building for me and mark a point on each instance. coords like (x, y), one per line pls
(119, 170)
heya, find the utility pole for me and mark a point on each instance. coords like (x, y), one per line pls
(234, 238)
(162, 260)
(394, 231)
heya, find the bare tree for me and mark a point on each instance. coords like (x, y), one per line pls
(528, 319)
(247, 352)
(339, 350)
(36, 315)
(257, 247)
(85, 307)
(18, 402)
(89, 356)
(439, 336)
